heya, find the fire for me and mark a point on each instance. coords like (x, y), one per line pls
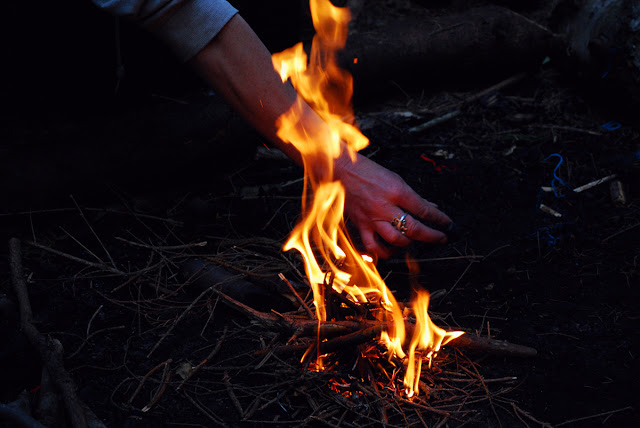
(322, 134)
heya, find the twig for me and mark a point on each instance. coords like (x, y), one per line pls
(145, 377)
(166, 377)
(518, 410)
(594, 416)
(434, 122)
(439, 259)
(93, 231)
(232, 394)
(90, 336)
(459, 279)
(52, 361)
(568, 128)
(206, 412)
(182, 315)
(620, 232)
(295, 293)
(212, 354)
(81, 245)
(163, 247)
(100, 210)
(594, 183)
(102, 267)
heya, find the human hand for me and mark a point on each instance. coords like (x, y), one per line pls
(375, 196)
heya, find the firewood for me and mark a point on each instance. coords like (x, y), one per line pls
(351, 333)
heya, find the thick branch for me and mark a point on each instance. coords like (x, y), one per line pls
(45, 347)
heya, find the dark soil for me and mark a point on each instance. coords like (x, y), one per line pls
(567, 286)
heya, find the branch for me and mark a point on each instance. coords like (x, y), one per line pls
(45, 347)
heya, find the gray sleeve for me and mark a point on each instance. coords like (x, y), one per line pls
(185, 25)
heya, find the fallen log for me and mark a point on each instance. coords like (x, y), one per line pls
(419, 50)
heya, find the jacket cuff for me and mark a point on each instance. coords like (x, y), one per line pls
(189, 26)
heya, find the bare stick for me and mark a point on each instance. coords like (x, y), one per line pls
(212, 354)
(93, 231)
(52, 361)
(208, 413)
(620, 232)
(624, 409)
(166, 377)
(99, 210)
(144, 379)
(594, 183)
(164, 247)
(102, 267)
(434, 122)
(81, 245)
(293, 290)
(232, 394)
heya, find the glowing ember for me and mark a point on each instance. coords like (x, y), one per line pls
(321, 134)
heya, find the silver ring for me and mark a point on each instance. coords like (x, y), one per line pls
(400, 223)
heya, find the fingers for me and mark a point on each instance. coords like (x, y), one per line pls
(418, 231)
(415, 231)
(373, 246)
(423, 209)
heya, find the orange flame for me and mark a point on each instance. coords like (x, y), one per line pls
(321, 135)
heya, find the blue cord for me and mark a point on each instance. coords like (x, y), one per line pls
(611, 126)
(556, 179)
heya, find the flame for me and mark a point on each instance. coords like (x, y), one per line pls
(322, 134)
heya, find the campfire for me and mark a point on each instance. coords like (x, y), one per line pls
(335, 269)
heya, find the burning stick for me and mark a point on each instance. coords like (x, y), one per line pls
(352, 333)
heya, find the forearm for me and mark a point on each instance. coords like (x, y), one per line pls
(238, 66)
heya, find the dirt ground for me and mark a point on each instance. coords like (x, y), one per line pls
(566, 285)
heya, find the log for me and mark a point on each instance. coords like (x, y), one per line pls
(431, 50)
(602, 49)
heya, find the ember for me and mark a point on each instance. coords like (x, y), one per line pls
(321, 236)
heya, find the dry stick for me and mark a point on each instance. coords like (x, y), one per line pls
(182, 315)
(356, 332)
(80, 244)
(486, 389)
(459, 278)
(102, 267)
(498, 86)
(163, 247)
(100, 210)
(93, 231)
(166, 377)
(595, 416)
(206, 412)
(620, 232)
(52, 361)
(232, 394)
(439, 259)
(212, 354)
(145, 377)
(89, 337)
(518, 410)
(427, 408)
(293, 290)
